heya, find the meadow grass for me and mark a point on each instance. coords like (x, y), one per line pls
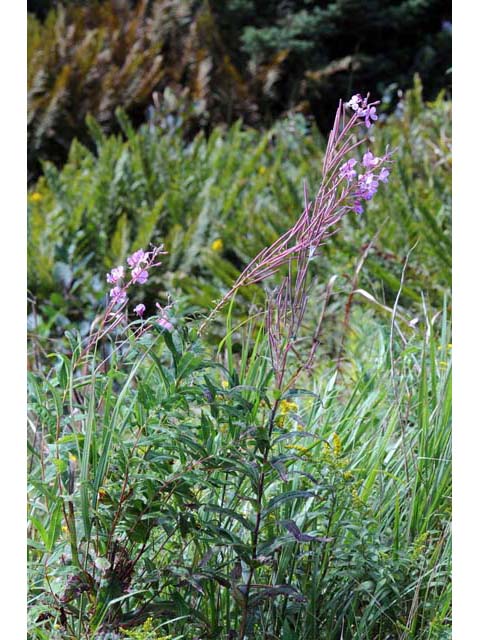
(143, 477)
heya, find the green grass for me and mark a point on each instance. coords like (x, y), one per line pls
(166, 472)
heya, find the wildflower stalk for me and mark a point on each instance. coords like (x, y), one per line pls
(72, 530)
(140, 263)
(340, 192)
(258, 522)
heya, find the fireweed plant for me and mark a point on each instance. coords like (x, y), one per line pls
(174, 518)
(346, 184)
(137, 272)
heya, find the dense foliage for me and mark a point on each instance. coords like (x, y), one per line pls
(151, 187)
(178, 490)
(144, 489)
(214, 454)
(218, 61)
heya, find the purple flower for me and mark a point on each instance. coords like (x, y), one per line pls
(357, 207)
(139, 310)
(115, 275)
(370, 113)
(139, 275)
(355, 102)
(347, 171)
(165, 324)
(383, 175)
(367, 186)
(137, 258)
(370, 161)
(363, 109)
(118, 295)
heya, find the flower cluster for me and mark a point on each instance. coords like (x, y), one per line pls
(139, 264)
(364, 109)
(364, 184)
(346, 182)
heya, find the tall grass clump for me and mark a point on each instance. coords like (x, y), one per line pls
(260, 492)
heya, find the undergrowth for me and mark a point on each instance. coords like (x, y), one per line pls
(144, 473)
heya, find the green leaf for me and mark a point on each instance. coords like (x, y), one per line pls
(286, 497)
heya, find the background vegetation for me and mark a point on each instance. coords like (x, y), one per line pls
(145, 452)
(214, 62)
(151, 187)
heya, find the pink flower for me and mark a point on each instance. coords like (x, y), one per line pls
(137, 258)
(139, 275)
(383, 175)
(363, 109)
(165, 324)
(355, 102)
(115, 275)
(370, 161)
(118, 295)
(347, 171)
(370, 113)
(163, 321)
(139, 310)
(357, 207)
(367, 186)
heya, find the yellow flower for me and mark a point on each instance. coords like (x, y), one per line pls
(148, 624)
(102, 494)
(65, 529)
(36, 197)
(225, 384)
(357, 501)
(304, 451)
(72, 458)
(217, 245)
(262, 170)
(286, 406)
(337, 445)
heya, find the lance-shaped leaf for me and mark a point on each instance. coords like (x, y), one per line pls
(274, 591)
(293, 434)
(285, 497)
(299, 536)
(280, 468)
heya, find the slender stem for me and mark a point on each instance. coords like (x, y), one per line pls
(73, 534)
(256, 531)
